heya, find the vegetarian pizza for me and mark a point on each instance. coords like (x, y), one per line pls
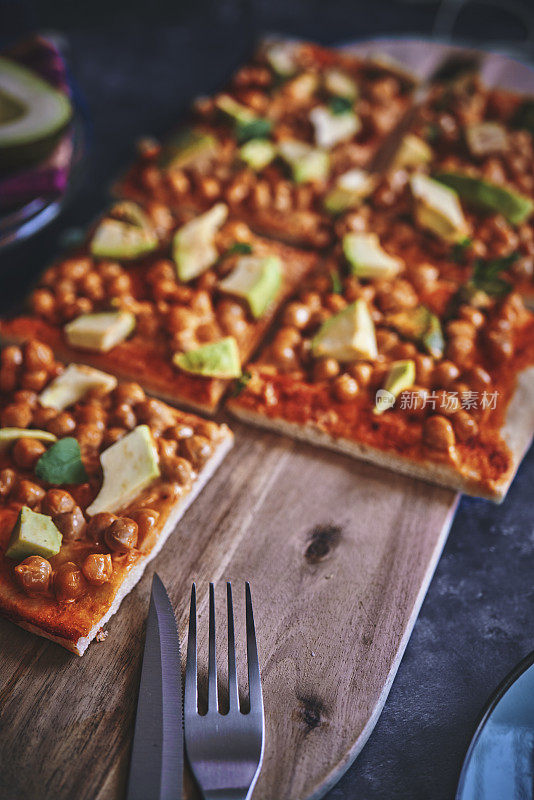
(94, 476)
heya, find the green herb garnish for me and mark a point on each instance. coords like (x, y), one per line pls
(486, 275)
(340, 105)
(62, 463)
(337, 285)
(244, 248)
(459, 250)
(255, 129)
(241, 383)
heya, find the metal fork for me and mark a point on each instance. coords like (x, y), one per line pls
(225, 751)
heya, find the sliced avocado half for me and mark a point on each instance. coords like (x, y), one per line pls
(257, 280)
(99, 332)
(215, 360)
(125, 234)
(307, 163)
(438, 209)
(193, 245)
(257, 153)
(187, 147)
(401, 376)
(367, 258)
(514, 206)
(420, 325)
(347, 335)
(73, 384)
(32, 115)
(331, 128)
(33, 535)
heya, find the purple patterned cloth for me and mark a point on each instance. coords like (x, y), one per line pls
(50, 177)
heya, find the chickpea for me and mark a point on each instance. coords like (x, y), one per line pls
(361, 372)
(438, 433)
(109, 269)
(478, 379)
(147, 519)
(42, 416)
(325, 369)
(33, 575)
(26, 396)
(121, 535)
(28, 493)
(11, 357)
(71, 524)
(460, 349)
(16, 415)
(464, 425)
(500, 346)
(461, 328)
(404, 350)
(74, 269)
(179, 469)
(34, 380)
(7, 481)
(62, 425)
(472, 315)
(424, 366)
(386, 340)
(57, 501)
(444, 374)
(335, 302)
(297, 315)
(43, 303)
(120, 285)
(155, 413)
(98, 525)
(69, 582)
(289, 336)
(345, 388)
(396, 296)
(167, 448)
(98, 568)
(123, 416)
(27, 452)
(92, 285)
(112, 435)
(180, 431)
(208, 429)
(8, 379)
(130, 393)
(38, 356)
(89, 436)
(91, 414)
(196, 449)
(312, 300)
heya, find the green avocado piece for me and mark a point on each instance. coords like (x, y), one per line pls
(307, 163)
(366, 257)
(257, 153)
(73, 384)
(332, 128)
(512, 205)
(33, 535)
(193, 245)
(350, 191)
(125, 234)
(32, 115)
(185, 148)
(438, 209)
(234, 111)
(400, 377)
(257, 280)
(413, 151)
(420, 325)
(340, 84)
(99, 332)
(215, 359)
(347, 335)
(282, 57)
(10, 435)
(129, 466)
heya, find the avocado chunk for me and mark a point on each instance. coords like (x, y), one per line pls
(33, 535)
(99, 332)
(10, 435)
(485, 138)
(413, 152)
(32, 115)
(340, 84)
(125, 234)
(282, 57)
(401, 376)
(128, 467)
(214, 360)
(307, 163)
(420, 325)
(331, 128)
(187, 147)
(438, 209)
(514, 206)
(349, 191)
(193, 246)
(257, 280)
(366, 257)
(247, 124)
(257, 153)
(348, 335)
(73, 384)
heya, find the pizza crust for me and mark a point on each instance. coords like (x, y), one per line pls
(517, 431)
(80, 645)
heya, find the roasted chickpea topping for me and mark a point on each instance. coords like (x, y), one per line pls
(361, 372)
(325, 368)
(179, 431)
(11, 357)
(179, 469)
(438, 433)
(7, 481)
(98, 568)
(28, 493)
(98, 525)
(147, 519)
(8, 379)
(27, 452)
(69, 582)
(464, 425)
(445, 373)
(71, 524)
(16, 415)
(121, 536)
(208, 429)
(113, 435)
(196, 449)
(297, 315)
(123, 416)
(57, 501)
(33, 575)
(345, 388)
(42, 416)
(38, 356)
(62, 425)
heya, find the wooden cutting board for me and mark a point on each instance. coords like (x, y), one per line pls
(339, 555)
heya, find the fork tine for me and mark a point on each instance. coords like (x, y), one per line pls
(213, 700)
(233, 691)
(190, 686)
(254, 681)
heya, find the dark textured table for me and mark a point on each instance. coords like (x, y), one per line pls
(477, 619)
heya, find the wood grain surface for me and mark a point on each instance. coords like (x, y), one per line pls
(339, 555)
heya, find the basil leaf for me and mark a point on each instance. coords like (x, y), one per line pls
(340, 105)
(486, 275)
(62, 463)
(337, 285)
(241, 383)
(255, 129)
(239, 247)
(459, 250)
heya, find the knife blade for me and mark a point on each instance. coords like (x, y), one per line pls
(156, 766)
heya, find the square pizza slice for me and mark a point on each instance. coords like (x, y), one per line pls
(294, 131)
(177, 307)
(94, 476)
(390, 353)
